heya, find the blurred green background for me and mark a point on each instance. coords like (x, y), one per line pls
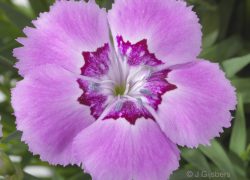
(226, 40)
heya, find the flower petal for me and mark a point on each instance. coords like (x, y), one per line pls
(47, 111)
(61, 35)
(170, 27)
(117, 150)
(198, 109)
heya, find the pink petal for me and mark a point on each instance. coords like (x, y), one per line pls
(198, 109)
(170, 27)
(47, 111)
(61, 35)
(117, 150)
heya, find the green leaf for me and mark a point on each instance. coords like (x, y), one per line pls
(218, 155)
(15, 16)
(247, 14)
(246, 154)
(242, 86)
(19, 175)
(196, 158)
(29, 177)
(6, 166)
(238, 136)
(181, 174)
(5, 61)
(8, 30)
(209, 5)
(234, 65)
(105, 3)
(223, 50)
(39, 6)
(210, 26)
(80, 175)
(13, 136)
(239, 165)
(226, 8)
(189, 174)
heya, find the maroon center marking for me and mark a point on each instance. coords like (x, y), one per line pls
(97, 64)
(138, 53)
(130, 111)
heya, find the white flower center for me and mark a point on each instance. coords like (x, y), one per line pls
(123, 80)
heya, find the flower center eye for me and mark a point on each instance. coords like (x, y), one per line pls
(119, 90)
(124, 82)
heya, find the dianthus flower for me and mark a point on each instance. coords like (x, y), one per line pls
(118, 91)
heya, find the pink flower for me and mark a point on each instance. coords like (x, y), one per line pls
(118, 107)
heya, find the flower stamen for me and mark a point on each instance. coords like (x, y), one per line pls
(119, 90)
